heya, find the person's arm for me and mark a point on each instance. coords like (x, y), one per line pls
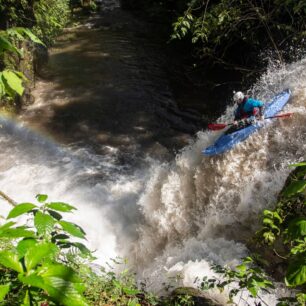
(260, 105)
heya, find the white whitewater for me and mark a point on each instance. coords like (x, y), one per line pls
(172, 218)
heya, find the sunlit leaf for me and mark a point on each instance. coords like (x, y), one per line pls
(44, 223)
(72, 229)
(59, 270)
(17, 232)
(4, 289)
(41, 198)
(7, 225)
(84, 250)
(60, 206)
(63, 291)
(20, 209)
(29, 34)
(24, 245)
(14, 81)
(39, 252)
(10, 260)
(32, 280)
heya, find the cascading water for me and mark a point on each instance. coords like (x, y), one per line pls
(167, 218)
(201, 210)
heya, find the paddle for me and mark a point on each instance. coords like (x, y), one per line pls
(220, 126)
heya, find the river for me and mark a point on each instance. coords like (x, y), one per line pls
(99, 137)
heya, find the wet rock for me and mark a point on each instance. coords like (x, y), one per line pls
(40, 58)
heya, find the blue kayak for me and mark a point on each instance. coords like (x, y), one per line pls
(227, 141)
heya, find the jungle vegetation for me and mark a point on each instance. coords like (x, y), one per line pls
(27, 28)
(231, 33)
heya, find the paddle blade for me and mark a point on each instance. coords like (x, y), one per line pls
(217, 126)
(282, 115)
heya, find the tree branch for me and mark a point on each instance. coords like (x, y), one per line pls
(7, 198)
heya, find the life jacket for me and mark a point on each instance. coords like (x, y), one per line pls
(241, 113)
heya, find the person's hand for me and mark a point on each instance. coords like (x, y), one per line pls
(235, 123)
(250, 120)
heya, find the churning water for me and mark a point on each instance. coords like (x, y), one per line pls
(168, 218)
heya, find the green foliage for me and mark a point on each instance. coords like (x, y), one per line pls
(35, 264)
(247, 275)
(45, 18)
(116, 290)
(11, 81)
(223, 29)
(286, 226)
(4, 289)
(51, 16)
(41, 263)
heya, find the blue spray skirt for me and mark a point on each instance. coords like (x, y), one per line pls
(227, 141)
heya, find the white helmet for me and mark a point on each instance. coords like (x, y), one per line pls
(238, 96)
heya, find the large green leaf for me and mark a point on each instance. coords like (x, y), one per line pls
(83, 249)
(10, 260)
(24, 245)
(59, 270)
(39, 252)
(4, 289)
(28, 33)
(41, 198)
(59, 206)
(20, 209)
(7, 225)
(6, 45)
(16, 232)
(13, 80)
(44, 223)
(32, 280)
(297, 228)
(296, 273)
(294, 188)
(64, 292)
(72, 229)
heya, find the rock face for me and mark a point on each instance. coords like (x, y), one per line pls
(40, 58)
(34, 57)
(31, 65)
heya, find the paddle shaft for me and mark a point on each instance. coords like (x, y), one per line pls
(220, 126)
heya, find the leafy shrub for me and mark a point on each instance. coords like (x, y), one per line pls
(246, 277)
(228, 30)
(11, 81)
(284, 228)
(34, 263)
(41, 262)
(51, 17)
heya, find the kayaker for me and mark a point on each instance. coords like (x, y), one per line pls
(248, 109)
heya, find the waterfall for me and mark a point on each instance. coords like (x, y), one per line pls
(167, 218)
